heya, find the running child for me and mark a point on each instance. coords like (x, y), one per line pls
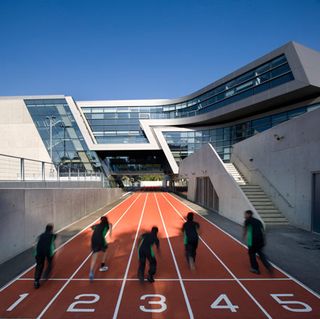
(99, 244)
(44, 251)
(191, 238)
(145, 251)
(254, 231)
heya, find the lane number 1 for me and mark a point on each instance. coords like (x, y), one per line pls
(15, 304)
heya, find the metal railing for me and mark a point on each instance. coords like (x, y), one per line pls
(264, 178)
(13, 168)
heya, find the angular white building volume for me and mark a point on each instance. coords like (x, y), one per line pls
(135, 137)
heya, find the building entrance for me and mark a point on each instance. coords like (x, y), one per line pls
(316, 203)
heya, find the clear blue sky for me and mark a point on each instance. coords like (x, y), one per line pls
(103, 49)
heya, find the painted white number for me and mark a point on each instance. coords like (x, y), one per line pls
(161, 302)
(285, 303)
(72, 307)
(228, 305)
(16, 303)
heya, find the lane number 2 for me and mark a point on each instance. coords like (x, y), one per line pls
(161, 302)
(94, 298)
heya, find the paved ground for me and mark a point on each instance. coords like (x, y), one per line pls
(294, 250)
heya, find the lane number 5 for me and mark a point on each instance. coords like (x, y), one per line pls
(300, 306)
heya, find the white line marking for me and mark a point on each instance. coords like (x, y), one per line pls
(62, 245)
(115, 314)
(175, 263)
(167, 279)
(84, 261)
(225, 266)
(243, 245)
(127, 193)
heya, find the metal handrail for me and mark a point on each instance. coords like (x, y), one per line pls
(25, 158)
(265, 178)
(88, 175)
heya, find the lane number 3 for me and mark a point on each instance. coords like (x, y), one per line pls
(160, 302)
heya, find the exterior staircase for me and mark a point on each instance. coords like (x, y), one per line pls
(258, 198)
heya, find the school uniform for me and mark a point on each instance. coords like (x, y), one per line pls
(44, 251)
(191, 238)
(145, 252)
(98, 239)
(256, 242)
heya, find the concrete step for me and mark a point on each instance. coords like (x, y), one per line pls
(277, 223)
(261, 202)
(269, 214)
(270, 210)
(257, 197)
(274, 220)
(265, 213)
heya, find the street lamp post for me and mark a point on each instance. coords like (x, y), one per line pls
(64, 137)
(51, 119)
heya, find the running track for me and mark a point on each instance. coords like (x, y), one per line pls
(221, 286)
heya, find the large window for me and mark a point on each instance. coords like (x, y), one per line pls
(66, 144)
(126, 118)
(184, 143)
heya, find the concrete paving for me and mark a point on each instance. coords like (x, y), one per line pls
(295, 251)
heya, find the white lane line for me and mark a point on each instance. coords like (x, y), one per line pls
(125, 194)
(116, 311)
(225, 266)
(176, 264)
(167, 279)
(243, 245)
(84, 261)
(62, 245)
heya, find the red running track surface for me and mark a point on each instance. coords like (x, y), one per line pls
(220, 287)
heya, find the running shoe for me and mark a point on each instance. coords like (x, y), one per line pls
(91, 276)
(150, 278)
(104, 268)
(255, 271)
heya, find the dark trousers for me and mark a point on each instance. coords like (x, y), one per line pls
(253, 250)
(143, 256)
(40, 265)
(191, 250)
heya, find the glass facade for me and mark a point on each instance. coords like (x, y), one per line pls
(136, 162)
(69, 150)
(182, 143)
(117, 125)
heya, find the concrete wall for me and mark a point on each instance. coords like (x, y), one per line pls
(281, 160)
(25, 212)
(206, 162)
(19, 136)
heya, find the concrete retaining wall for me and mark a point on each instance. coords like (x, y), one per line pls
(206, 162)
(281, 160)
(25, 212)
